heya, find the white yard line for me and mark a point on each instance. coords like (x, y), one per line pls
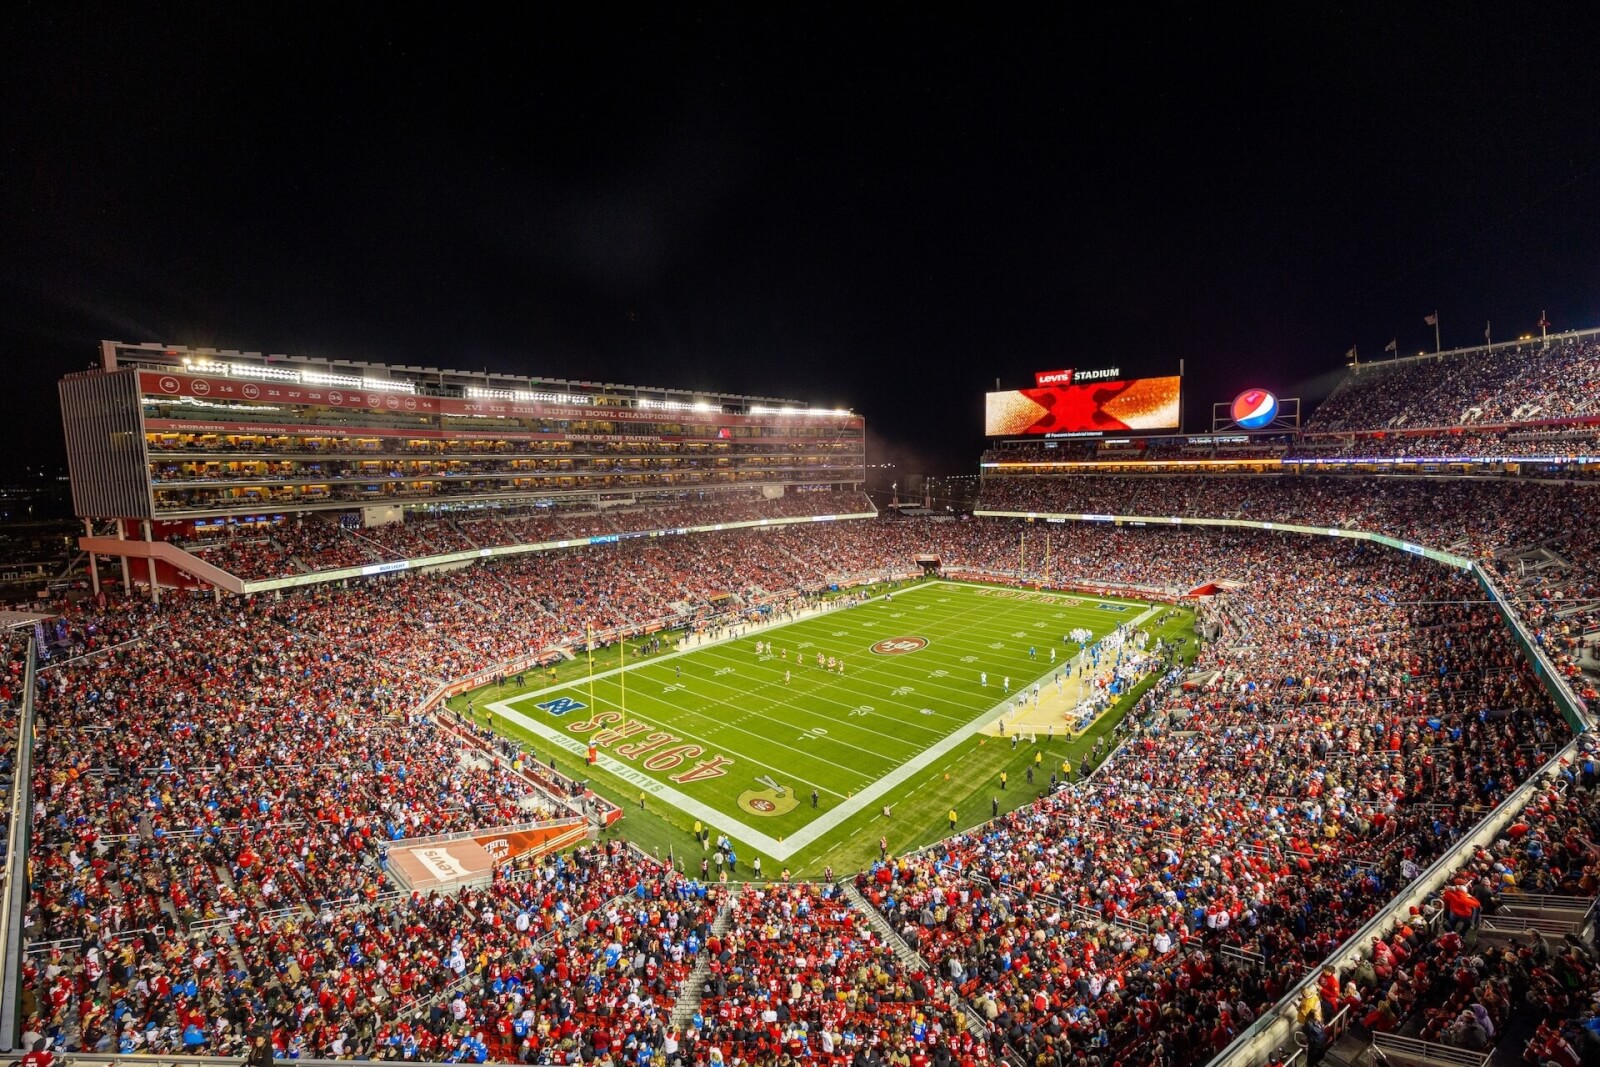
(770, 627)
(800, 839)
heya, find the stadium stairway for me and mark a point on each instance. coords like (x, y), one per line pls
(693, 988)
(371, 548)
(910, 958)
(891, 937)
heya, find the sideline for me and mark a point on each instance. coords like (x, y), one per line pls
(1053, 710)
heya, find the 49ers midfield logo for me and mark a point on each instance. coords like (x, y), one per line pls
(899, 646)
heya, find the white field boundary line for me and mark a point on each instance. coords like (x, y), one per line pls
(719, 724)
(757, 628)
(768, 672)
(772, 669)
(778, 850)
(653, 672)
(969, 638)
(799, 716)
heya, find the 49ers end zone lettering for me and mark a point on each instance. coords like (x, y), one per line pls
(899, 646)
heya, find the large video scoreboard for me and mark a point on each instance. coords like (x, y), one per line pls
(1083, 403)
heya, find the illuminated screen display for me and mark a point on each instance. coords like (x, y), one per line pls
(1084, 407)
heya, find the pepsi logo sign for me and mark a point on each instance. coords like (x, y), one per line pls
(1254, 408)
(899, 646)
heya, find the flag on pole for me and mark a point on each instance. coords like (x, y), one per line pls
(1351, 354)
(1393, 346)
(1543, 323)
(1486, 333)
(1431, 320)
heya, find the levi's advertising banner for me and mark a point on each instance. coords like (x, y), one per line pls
(504, 847)
(155, 383)
(1084, 407)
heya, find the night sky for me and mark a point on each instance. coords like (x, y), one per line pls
(886, 209)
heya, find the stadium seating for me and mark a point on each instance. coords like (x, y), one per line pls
(1344, 750)
(218, 779)
(801, 973)
(310, 544)
(1464, 972)
(1529, 383)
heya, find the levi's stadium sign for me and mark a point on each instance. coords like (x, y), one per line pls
(1042, 378)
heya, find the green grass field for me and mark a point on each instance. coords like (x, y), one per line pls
(744, 742)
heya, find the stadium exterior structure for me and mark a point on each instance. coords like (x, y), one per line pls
(166, 443)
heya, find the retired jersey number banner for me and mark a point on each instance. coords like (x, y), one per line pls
(1084, 407)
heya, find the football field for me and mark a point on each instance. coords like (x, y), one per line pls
(789, 757)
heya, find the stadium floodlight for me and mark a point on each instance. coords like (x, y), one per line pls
(276, 374)
(311, 377)
(381, 385)
(388, 385)
(476, 392)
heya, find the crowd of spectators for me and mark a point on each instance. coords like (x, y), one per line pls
(256, 556)
(801, 973)
(1435, 975)
(1528, 383)
(1358, 721)
(216, 784)
(571, 955)
(1567, 451)
(1502, 523)
(13, 685)
(312, 544)
(1478, 516)
(1536, 446)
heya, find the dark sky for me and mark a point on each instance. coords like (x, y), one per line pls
(885, 209)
